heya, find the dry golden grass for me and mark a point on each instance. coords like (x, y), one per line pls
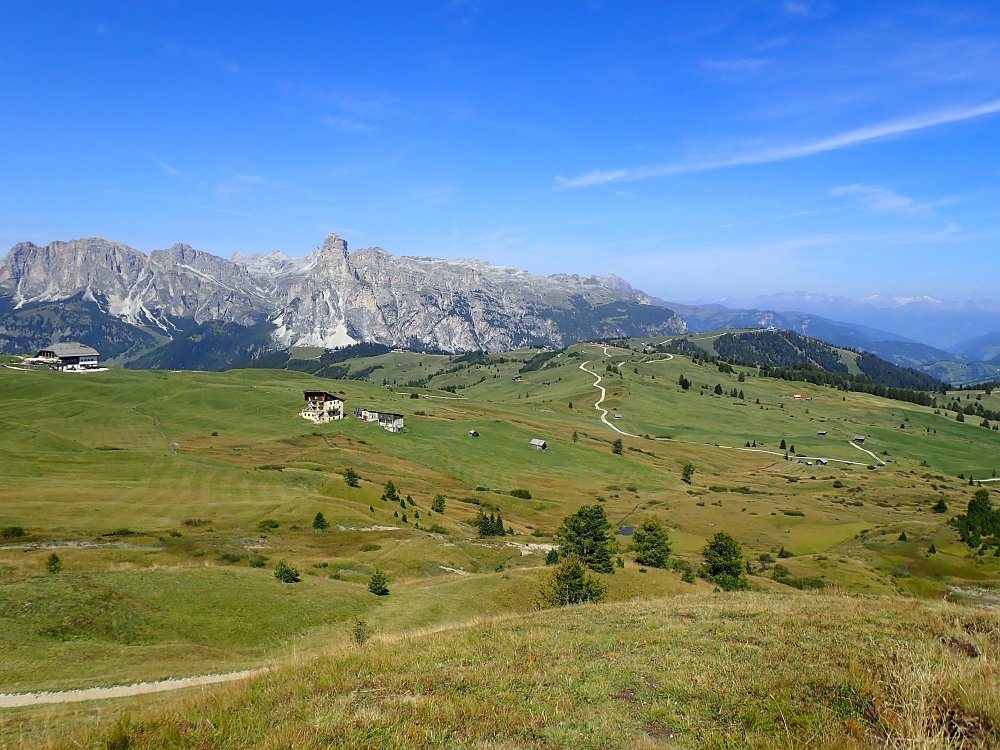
(704, 670)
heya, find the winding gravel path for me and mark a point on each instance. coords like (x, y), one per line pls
(19, 700)
(667, 358)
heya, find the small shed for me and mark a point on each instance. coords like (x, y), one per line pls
(821, 462)
(473, 433)
(538, 444)
(860, 439)
(821, 432)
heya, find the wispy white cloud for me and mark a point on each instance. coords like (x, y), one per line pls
(736, 66)
(349, 125)
(806, 8)
(847, 139)
(172, 171)
(881, 199)
(233, 212)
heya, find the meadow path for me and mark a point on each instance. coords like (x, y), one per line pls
(19, 700)
(667, 358)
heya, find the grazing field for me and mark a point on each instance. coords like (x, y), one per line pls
(688, 671)
(169, 497)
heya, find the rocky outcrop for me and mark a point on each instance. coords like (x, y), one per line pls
(334, 297)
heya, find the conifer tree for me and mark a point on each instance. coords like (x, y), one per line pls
(378, 584)
(587, 536)
(651, 543)
(570, 584)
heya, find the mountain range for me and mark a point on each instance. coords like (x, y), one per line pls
(184, 308)
(123, 301)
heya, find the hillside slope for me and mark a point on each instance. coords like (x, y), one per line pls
(755, 671)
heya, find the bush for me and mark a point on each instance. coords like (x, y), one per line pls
(521, 493)
(940, 506)
(370, 547)
(618, 447)
(230, 557)
(784, 553)
(286, 573)
(267, 524)
(360, 632)
(552, 557)
(11, 532)
(570, 584)
(196, 521)
(319, 522)
(351, 477)
(53, 564)
(378, 584)
(687, 473)
(258, 560)
(437, 504)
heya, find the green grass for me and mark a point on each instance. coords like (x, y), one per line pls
(745, 670)
(148, 451)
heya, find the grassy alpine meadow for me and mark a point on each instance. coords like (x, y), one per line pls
(696, 670)
(168, 499)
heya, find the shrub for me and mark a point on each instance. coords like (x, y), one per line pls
(319, 522)
(351, 477)
(552, 557)
(940, 506)
(378, 584)
(360, 632)
(53, 564)
(570, 584)
(11, 532)
(437, 504)
(390, 493)
(230, 557)
(792, 512)
(370, 547)
(196, 521)
(838, 484)
(784, 553)
(687, 473)
(267, 524)
(521, 493)
(258, 560)
(286, 573)
(618, 447)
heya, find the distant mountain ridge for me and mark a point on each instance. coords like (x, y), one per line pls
(329, 299)
(958, 366)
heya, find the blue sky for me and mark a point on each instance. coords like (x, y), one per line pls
(701, 150)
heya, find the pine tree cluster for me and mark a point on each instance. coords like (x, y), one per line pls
(489, 525)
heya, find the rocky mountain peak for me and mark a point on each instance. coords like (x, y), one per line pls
(334, 244)
(334, 298)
